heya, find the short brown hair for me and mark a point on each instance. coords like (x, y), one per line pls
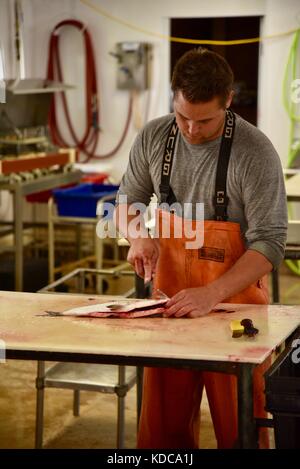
(202, 75)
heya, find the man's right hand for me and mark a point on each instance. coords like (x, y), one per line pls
(143, 255)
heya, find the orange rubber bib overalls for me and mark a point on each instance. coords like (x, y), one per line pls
(170, 414)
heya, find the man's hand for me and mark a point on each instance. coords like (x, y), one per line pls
(143, 255)
(195, 302)
(192, 302)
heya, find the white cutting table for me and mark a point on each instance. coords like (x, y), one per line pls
(203, 343)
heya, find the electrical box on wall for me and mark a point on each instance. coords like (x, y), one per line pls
(133, 65)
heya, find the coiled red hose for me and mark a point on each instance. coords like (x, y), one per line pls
(88, 143)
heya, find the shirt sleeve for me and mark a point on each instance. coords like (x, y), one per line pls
(264, 200)
(136, 183)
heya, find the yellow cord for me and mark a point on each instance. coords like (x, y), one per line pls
(181, 39)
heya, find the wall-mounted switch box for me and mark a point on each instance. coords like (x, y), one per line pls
(134, 60)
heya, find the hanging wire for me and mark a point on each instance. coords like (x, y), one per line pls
(181, 39)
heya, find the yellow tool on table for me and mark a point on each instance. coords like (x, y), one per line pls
(236, 328)
(244, 326)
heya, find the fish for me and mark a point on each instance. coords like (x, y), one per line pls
(117, 309)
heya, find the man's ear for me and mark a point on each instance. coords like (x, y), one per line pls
(229, 99)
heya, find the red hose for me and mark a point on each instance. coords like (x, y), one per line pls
(88, 144)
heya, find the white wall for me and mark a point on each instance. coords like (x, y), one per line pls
(273, 120)
(40, 16)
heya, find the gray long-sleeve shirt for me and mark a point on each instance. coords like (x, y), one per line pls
(255, 184)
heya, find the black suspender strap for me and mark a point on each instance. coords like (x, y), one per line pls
(166, 193)
(220, 198)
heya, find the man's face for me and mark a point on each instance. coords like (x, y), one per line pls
(199, 122)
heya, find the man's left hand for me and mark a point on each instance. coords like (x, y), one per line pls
(191, 302)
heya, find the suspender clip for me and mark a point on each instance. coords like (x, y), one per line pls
(221, 208)
(220, 197)
(221, 200)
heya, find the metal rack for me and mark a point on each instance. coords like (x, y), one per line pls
(54, 219)
(29, 161)
(19, 190)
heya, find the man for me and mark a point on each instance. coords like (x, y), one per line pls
(217, 158)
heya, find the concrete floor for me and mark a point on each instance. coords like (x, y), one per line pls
(96, 425)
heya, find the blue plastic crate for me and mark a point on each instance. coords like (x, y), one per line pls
(81, 201)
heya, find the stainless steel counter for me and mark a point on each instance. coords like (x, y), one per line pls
(19, 190)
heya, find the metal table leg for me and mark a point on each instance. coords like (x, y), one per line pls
(39, 418)
(141, 292)
(99, 249)
(121, 408)
(139, 390)
(18, 234)
(51, 246)
(246, 421)
(275, 286)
